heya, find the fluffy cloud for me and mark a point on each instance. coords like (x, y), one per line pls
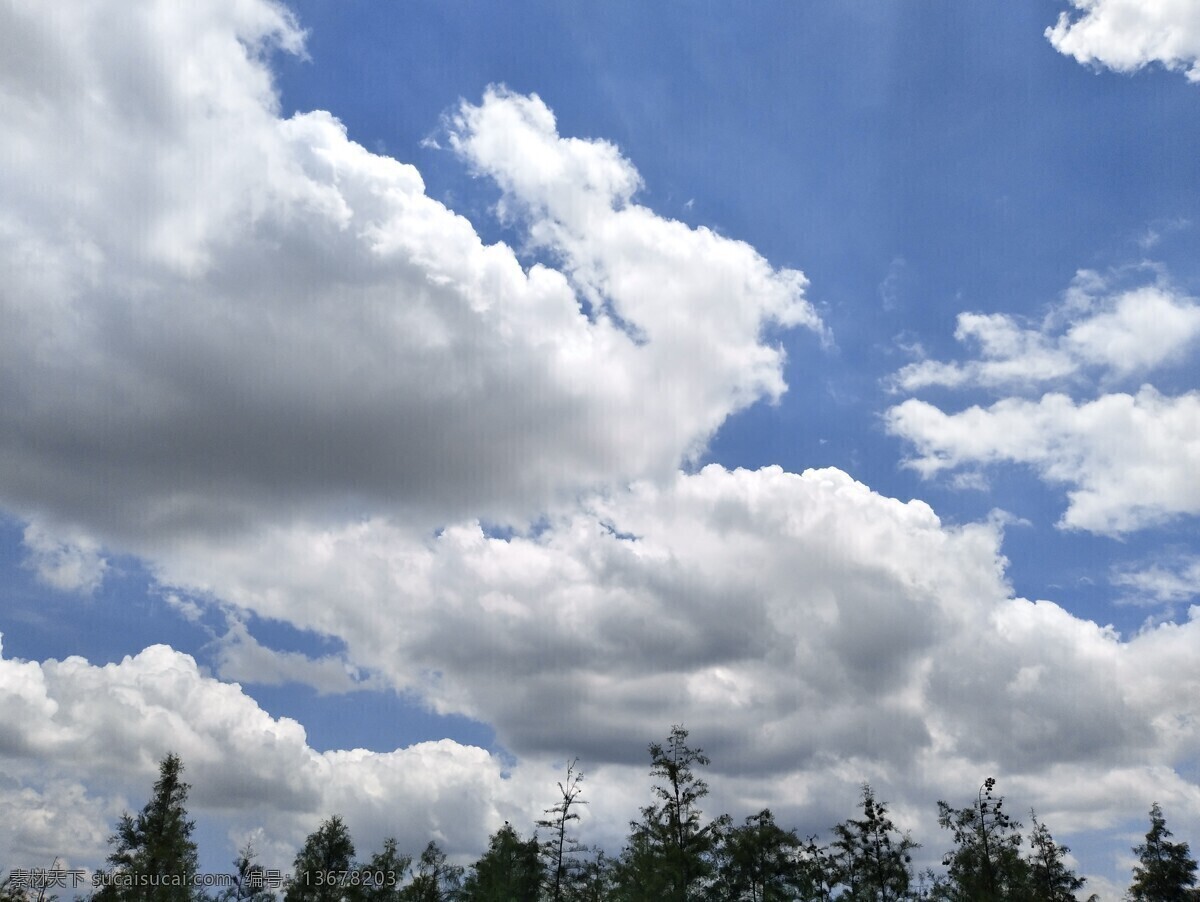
(1126, 35)
(1129, 460)
(215, 315)
(70, 721)
(71, 565)
(810, 632)
(1096, 328)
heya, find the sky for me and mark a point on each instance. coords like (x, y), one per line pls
(401, 400)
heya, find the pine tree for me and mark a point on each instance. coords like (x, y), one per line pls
(154, 858)
(762, 862)
(509, 871)
(1050, 880)
(872, 859)
(383, 877)
(434, 880)
(560, 849)
(985, 865)
(1166, 870)
(321, 867)
(668, 857)
(249, 880)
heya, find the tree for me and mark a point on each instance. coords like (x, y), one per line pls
(322, 866)
(985, 865)
(1050, 880)
(1166, 870)
(384, 875)
(154, 858)
(762, 862)
(509, 871)
(249, 880)
(669, 852)
(433, 879)
(559, 850)
(871, 858)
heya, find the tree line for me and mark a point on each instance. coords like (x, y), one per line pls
(672, 854)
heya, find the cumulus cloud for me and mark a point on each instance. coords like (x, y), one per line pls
(1129, 461)
(71, 721)
(810, 632)
(214, 314)
(1127, 35)
(1096, 328)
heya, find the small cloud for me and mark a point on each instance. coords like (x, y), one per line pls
(690, 203)
(889, 288)
(242, 658)
(976, 482)
(69, 564)
(1159, 229)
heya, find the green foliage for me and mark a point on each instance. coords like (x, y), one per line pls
(249, 884)
(322, 865)
(762, 862)
(433, 879)
(560, 851)
(154, 858)
(509, 871)
(669, 856)
(1166, 870)
(985, 864)
(1050, 879)
(871, 859)
(384, 875)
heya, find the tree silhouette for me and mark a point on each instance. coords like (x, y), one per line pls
(762, 862)
(154, 858)
(509, 871)
(985, 865)
(433, 879)
(669, 853)
(1166, 870)
(319, 873)
(1049, 877)
(559, 850)
(872, 859)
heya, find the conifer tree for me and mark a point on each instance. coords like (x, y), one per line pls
(762, 862)
(985, 865)
(322, 865)
(509, 871)
(383, 878)
(249, 879)
(434, 879)
(872, 859)
(154, 858)
(1050, 879)
(560, 849)
(668, 857)
(1166, 870)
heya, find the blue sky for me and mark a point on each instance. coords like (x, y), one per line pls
(408, 378)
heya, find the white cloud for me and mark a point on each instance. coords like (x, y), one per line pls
(72, 724)
(73, 564)
(1116, 332)
(215, 315)
(242, 658)
(811, 634)
(1169, 581)
(1129, 461)
(1126, 35)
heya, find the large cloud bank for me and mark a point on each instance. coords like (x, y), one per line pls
(215, 314)
(263, 359)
